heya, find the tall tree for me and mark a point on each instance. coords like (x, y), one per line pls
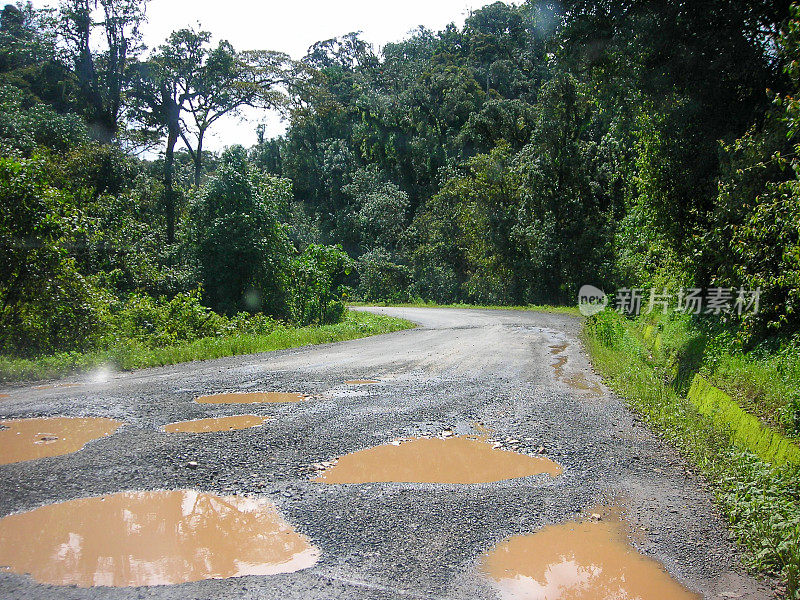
(101, 72)
(161, 89)
(226, 82)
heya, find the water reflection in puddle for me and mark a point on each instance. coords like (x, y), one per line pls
(578, 561)
(216, 424)
(28, 439)
(152, 538)
(251, 398)
(433, 460)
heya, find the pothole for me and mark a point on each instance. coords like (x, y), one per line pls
(579, 381)
(28, 439)
(251, 398)
(216, 424)
(4, 396)
(434, 460)
(558, 366)
(589, 560)
(152, 538)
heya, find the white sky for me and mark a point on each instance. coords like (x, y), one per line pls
(292, 26)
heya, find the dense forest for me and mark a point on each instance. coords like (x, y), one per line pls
(540, 147)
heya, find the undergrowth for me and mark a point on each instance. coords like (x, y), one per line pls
(131, 354)
(760, 502)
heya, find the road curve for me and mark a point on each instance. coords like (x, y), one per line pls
(522, 374)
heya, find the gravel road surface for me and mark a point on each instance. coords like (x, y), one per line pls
(385, 540)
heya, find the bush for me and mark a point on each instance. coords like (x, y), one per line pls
(46, 305)
(235, 237)
(318, 276)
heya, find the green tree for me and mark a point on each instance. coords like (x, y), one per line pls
(45, 304)
(318, 275)
(241, 248)
(101, 72)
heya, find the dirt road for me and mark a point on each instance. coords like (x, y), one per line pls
(520, 378)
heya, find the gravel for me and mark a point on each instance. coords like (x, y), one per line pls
(392, 540)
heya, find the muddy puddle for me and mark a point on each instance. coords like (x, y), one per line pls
(152, 538)
(28, 439)
(361, 382)
(589, 560)
(577, 381)
(216, 424)
(251, 398)
(4, 396)
(434, 460)
(558, 366)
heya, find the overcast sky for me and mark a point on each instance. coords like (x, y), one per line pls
(292, 26)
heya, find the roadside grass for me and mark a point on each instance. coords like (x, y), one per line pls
(761, 502)
(765, 381)
(130, 355)
(767, 387)
(567, 310)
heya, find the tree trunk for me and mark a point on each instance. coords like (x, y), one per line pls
(169, 168)
(198, 159)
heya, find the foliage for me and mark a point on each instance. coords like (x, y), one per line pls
(318, 274)
(46, 305)
(234, 235)
(761, 502)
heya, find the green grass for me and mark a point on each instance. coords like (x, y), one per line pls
(767, 387)
(567, 310)
(129, 356)
(761, 502)
(764, 382)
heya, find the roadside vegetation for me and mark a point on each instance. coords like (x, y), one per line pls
(236, 337)
(760, 501)
(504, 162)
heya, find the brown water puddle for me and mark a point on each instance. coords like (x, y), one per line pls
(152, 538)
(361, 382)
(579, 381)
(216, 424)
(4, 396)
(251, 398)
(27, 439)
(434, 460)
(578, 561)
(558, 366)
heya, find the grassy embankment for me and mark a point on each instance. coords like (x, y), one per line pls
(760, 500)
(129, 355)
